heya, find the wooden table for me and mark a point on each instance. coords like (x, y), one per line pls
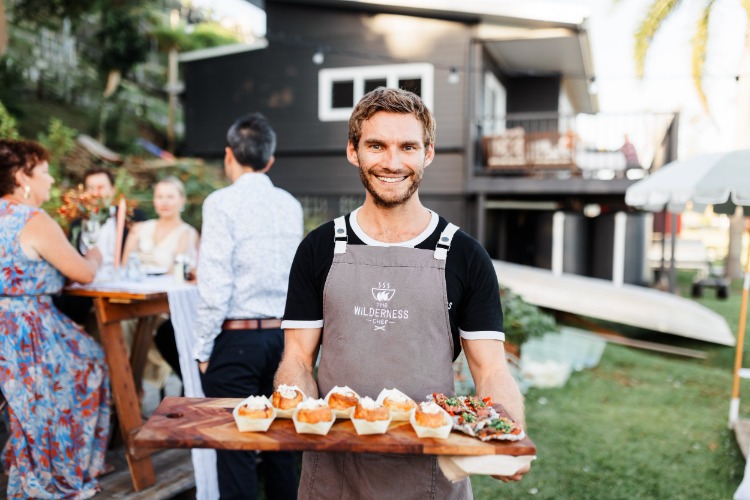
(208, 423)
(111, 307)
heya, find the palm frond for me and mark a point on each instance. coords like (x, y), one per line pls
(658, 12)
(700, 40)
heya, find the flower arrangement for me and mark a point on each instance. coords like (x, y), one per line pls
(81, 204)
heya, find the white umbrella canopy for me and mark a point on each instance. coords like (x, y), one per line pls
(718, 179)
(708, 179)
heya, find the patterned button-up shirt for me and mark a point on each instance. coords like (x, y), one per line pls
(250, 234)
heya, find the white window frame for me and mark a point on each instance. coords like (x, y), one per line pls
(392, 73)
(494, 116)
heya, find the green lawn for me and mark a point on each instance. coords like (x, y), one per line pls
(639, 425)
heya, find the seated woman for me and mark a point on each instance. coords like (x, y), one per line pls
(52, 374)
(157, 242)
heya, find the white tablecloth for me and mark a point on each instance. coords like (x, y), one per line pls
(183, 308)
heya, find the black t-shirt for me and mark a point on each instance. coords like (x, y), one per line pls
(471, 283)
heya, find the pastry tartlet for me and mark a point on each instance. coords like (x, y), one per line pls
(313, 416)
(285, 399)
(429, 420)
(254, 414)
(398, 403)
(342, 401)
(370, 417)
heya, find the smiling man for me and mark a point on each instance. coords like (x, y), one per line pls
(398, 291)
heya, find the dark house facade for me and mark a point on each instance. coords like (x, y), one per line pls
(506, 87)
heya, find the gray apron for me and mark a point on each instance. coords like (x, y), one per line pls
(386, 326)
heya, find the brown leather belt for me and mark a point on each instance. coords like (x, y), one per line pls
(251, 324)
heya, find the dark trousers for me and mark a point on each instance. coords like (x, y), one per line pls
(167, 346)
(242, 364)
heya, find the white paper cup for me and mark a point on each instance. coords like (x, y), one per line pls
(286, 413)
(441, 432)
(396, 415)
(320, 428)
(246, 424)
(364, 427)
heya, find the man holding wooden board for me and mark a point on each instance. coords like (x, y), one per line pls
(389, 294)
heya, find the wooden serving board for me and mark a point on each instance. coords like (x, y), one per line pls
(208, 423)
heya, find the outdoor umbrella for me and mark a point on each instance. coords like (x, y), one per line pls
(718, 179)
(721, 179)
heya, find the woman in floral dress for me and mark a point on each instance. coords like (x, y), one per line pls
(52, 374)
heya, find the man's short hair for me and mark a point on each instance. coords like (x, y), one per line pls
(99, 170)
(391, 101)
(252, 140)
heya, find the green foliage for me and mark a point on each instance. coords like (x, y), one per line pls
(50, 12)
(121, 43)
(206, 35)
(11, 85)
(7, 124)
(59, 141)
(521, 320)
(201, 36)
(658, 12)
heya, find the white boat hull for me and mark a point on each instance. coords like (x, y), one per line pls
(627, 304)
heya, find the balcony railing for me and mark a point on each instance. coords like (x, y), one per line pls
(602, 146)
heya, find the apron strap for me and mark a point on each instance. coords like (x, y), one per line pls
(444, 242)
(339, 235)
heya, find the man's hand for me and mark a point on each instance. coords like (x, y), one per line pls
(203, 366)
(515, 477)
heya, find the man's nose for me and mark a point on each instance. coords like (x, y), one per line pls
(393, 159)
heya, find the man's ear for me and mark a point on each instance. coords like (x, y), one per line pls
(429, 154)
(351, 154)
(268, 165)
(228, 155)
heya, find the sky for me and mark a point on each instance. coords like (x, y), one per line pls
(667, 85)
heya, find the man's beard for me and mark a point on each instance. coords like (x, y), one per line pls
(395, 202)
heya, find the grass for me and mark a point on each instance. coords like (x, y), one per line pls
(639, 425)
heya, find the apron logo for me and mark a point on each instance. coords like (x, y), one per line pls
(383, 294)
(381, 315)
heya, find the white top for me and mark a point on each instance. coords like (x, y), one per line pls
(250, 234)
(105, 242)
(162, 254)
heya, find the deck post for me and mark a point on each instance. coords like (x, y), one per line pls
(618, 252)
(558, 236)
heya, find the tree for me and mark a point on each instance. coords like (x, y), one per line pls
(657, 13)
(7, 124)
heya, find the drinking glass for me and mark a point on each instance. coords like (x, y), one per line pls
(89, 232)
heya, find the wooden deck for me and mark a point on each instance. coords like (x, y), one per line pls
(174, 477)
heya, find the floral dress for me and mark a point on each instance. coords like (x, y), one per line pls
(53, 376)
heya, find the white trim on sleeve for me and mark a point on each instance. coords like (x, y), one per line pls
(290, 324)
(484, 335)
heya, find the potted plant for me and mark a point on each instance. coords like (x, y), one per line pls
(522, 321)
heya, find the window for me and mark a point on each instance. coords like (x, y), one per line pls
(339, 89)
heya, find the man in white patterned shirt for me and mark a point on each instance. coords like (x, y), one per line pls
(250, 233)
